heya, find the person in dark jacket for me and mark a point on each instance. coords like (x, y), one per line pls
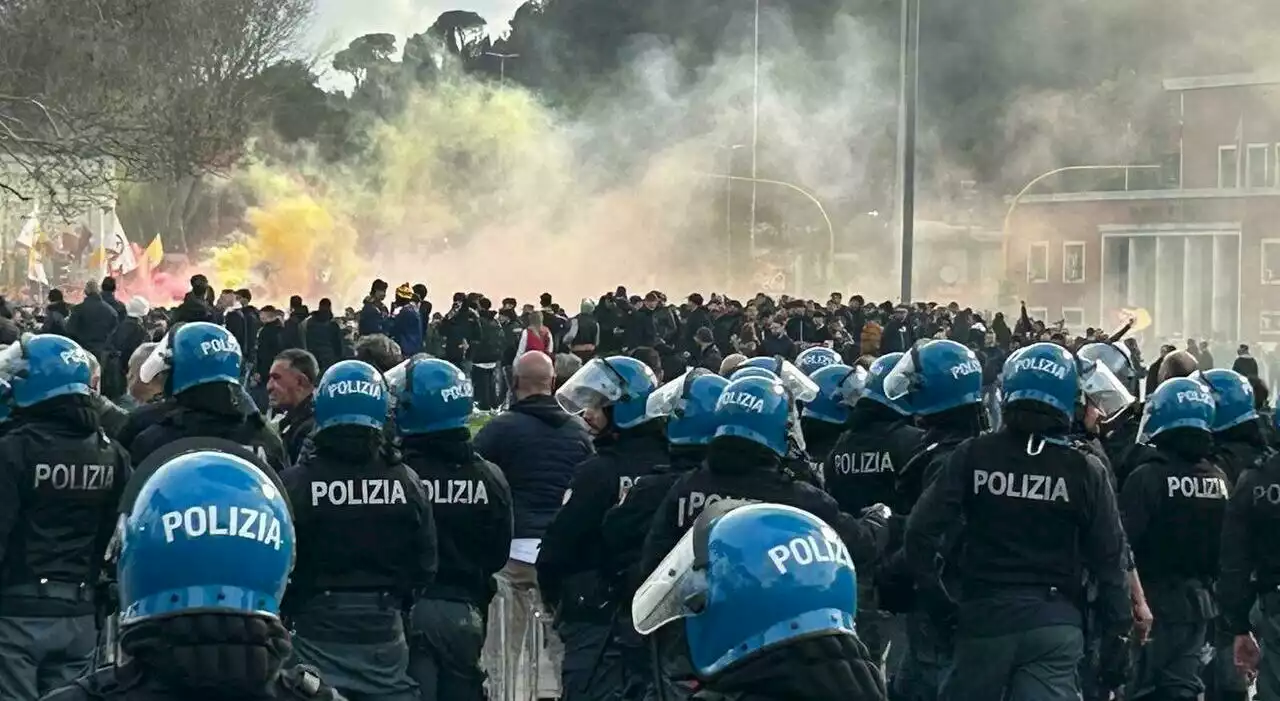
(291, 384)
(291, 337)
(126, 338)
(373, 315)
(92, 322)
(460, 330)
(406, 324)
(1245, 363)
(196, 305)
(109, 296)
(705, 353)
(56, 314)
(269, 344)
(698, 317)
(538, 447)
(322, 336)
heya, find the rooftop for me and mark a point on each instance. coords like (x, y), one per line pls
(1222, 81)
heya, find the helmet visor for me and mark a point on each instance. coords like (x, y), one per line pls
(664, 596)
(158, 362)
(593, 386)
(398, 377)
(853, 386)
(669, 398)
(898, 383)
(13, 362)
(1104, 391)
(801, 388)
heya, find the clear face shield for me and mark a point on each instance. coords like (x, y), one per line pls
(13, 360)
(158, 362)
(797, 384)
(597, 384)
(670, 590)
(853, 386)
(398, 380)
(902, 378)
(1104, 391)
(669, 399)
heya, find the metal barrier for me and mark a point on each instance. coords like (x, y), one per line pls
(521, 649)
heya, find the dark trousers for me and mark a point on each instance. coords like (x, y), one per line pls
(358, 643)
(445, 642)
(1040, 664)
(485, 383)
(38, 655)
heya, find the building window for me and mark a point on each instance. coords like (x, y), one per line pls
(1258, 160)
(1073, 261)
(1038, 262)
(1269, 323)
(1270, 261)
(1073, 320)
(1228, 167)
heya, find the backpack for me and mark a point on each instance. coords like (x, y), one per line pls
(537, 342)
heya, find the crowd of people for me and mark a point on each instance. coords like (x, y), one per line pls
(665, 501)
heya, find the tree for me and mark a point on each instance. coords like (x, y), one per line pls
(363, 54)
(133, 90)
(463, 34)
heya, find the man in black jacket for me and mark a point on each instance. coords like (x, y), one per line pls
(538, 446)
(109, 296)
(322, 336)
(291, 384)
(92, 323)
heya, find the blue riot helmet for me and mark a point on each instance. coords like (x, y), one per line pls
(1116, 357)
(1232, 398)
(194, 354)
(814, 359)
(874, 390)
(935, 377)
(772, 363)
(1044, 373)
(40, 367)
(352, 393)
(839, 388)
(1179, 402)
(798, 384)
(209, 531)
(430, 395)
(751, 371)
(618, 381)
(689, 403)
(750, 578)
(757, 409)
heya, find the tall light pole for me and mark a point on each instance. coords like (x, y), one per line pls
(728, 210)
(909, 69)
(502, 64)
(755, 123)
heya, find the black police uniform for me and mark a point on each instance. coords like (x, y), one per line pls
(471, 503)
(215, 410)
(743, 470)
(623, 531)
(860, 471)
(1037, 512)
(574, 568)
(366, 544)
(819, 438)
(1172, 506)
(1249, 566)
(824, 668)
(1235, 450)
(60, 481)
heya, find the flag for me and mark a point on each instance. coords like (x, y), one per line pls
(35, 267)
(155, 252)
(120, 258)
(30, 227)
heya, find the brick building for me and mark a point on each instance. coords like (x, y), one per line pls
(1194, 241)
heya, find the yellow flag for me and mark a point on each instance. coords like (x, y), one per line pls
(155, 251)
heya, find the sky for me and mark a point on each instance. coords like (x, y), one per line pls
(337, 22)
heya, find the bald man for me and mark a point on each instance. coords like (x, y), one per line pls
(538, 446)
(1177, 364)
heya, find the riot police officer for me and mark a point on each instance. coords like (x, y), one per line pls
(204, 557)
(203, 382)
(1172, 507)
(744, 461)
(798, 461)
(861, 471)
(1119, 437)
(1238, 444)
(62, 480)
(824, 420)
(688, 404)
(471, 505)
(366, 541)
(941, 382)
(764, 596)
(574, 574)
(1037, 511)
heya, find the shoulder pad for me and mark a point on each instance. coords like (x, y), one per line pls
(304, 681)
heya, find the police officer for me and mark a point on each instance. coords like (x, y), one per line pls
(1249, 573)
(205, 556)
(765, 596)
(1119, 437)
(744, 462)
(367, 541)
(471, 504)
(574, 569)
(1172, 506)
(688, 404)
(798, 461)
(1037, 511)
(941, 382)
(61, 481)
(1238, 444)
(823, 420)
(203, 365)
(860, 471)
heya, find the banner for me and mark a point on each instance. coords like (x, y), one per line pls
(35, 267)
(30, 227)
(155, 252)
(120, 258)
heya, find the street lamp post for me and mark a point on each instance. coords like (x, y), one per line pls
(909, 73)
(502, 64)
(728, 211)
(755, 122)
